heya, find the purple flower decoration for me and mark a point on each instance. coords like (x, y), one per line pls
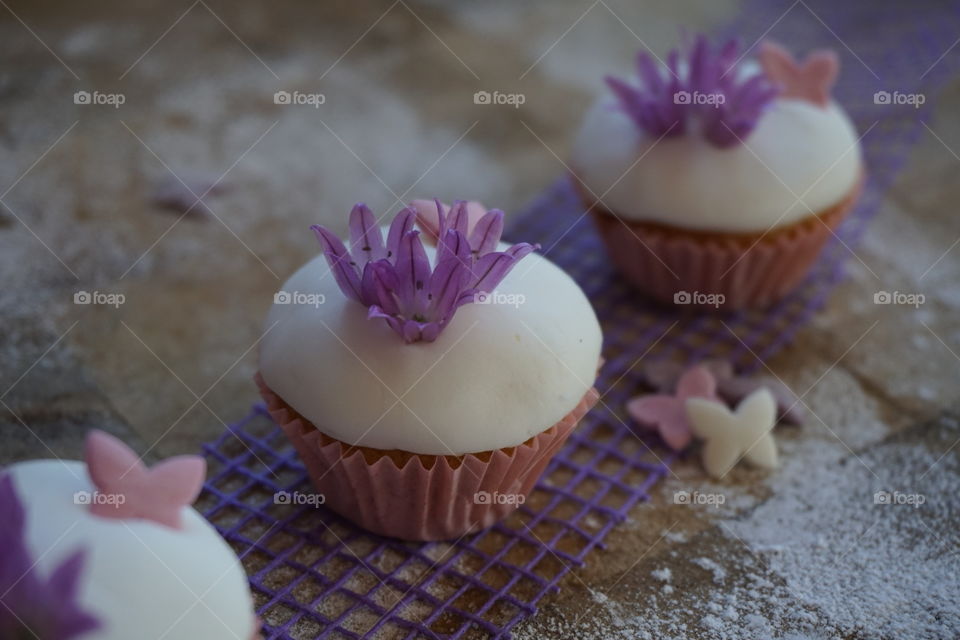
(699, 89)
(31, 606)
(396, 281)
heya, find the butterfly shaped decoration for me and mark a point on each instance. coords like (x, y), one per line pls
(663, 375)
(745, 433)
(129, 490)
(811, 80)
(666, 412)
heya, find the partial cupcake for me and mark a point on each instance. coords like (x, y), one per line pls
(109, 550)
(714, 179)
(426, 386)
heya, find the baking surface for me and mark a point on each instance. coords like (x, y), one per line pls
(170, 366)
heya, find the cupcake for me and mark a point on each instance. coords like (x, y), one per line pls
(426, 385)
(109, 550)
(714, 182)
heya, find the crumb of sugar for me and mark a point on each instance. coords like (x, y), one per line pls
(719, 573)
(675, 536)
(663, 575)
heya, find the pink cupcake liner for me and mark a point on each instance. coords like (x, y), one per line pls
(715, 270)
(420, 497)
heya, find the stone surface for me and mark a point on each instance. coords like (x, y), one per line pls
(174, 362)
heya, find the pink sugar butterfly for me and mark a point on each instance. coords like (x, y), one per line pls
(809, 81)
(131, 490)
(667, 413)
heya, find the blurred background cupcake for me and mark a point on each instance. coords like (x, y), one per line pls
(714, 180)
(426, 387)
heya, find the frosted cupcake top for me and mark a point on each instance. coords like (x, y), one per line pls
(509, 364)
(109, 550)
(709, 144)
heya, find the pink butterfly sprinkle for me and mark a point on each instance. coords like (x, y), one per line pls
(128, 490)
(667, 413)
(428, 218)
(810, 81)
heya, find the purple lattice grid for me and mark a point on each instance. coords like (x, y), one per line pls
(253, 460)
(289, 551)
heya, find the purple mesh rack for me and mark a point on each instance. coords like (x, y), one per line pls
(315, 575)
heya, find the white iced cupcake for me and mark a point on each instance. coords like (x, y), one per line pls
(415, 421)
(718, 178)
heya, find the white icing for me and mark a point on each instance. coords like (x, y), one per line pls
(797, 150)
(497, 375)
(140, 579)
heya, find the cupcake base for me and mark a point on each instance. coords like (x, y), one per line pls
(717, 270)
(420, 497)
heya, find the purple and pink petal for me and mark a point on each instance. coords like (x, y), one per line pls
(697, 84)
(397, 282)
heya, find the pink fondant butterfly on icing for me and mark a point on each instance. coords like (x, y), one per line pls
(128, 489)
(810, 81)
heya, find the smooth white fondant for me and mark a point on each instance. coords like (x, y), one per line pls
(499, 373)
(744, 433)
(140, 579)
(797, 150)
